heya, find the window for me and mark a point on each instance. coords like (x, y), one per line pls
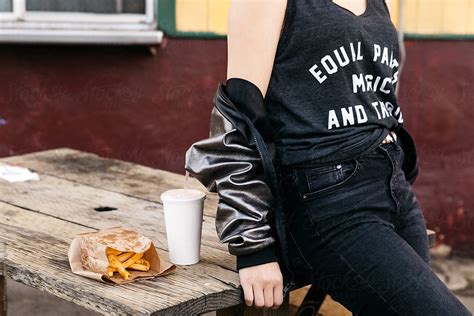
(6, 6)
(79, 21)
(104, 6)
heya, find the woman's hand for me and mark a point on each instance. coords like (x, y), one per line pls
(262, 285)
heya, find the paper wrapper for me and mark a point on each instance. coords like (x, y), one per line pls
(87, 254)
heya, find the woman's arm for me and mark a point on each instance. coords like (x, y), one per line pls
(254, 30)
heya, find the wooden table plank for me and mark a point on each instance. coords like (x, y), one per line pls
(75, 202)
(3, 295)
(37, 256)
(110, 174)
(51, 211)
(3, 281)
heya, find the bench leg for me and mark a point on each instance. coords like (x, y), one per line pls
(244, 310)
(312, 302)
(3, 295)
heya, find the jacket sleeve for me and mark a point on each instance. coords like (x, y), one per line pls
(228, 164)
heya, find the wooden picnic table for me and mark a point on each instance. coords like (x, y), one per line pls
(39, 219)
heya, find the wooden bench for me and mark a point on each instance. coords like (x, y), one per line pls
(38, 220)
(315, 296)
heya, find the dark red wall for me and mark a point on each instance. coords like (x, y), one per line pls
(114, 101)
(121, 102)
(436, 100)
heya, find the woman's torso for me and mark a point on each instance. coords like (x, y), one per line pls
(332, 90)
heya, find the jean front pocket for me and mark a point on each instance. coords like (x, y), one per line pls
(315, 181)
(402, 155)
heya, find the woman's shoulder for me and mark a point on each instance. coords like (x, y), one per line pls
(267, 6)
(253, 34)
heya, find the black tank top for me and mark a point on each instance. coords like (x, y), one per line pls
(331, 94)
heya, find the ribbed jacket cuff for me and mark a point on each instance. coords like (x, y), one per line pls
(265, 255)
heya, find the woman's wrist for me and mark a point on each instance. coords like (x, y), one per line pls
(265, 255)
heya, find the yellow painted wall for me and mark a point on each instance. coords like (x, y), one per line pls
(439, 16)
(419, 16)
(202, 16)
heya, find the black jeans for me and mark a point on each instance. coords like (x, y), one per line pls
(355, 228)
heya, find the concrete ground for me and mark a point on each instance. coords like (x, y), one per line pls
(456, 273)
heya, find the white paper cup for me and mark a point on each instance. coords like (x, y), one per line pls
(183, 210)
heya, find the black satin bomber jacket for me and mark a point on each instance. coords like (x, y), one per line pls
(238, 163)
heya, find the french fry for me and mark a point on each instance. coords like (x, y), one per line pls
(124, 273)
(115, 263)
(144, 262)
(119, 261)
(124, 256)
(111, 271)
(112, 251)
(139, 267)
(133, 259)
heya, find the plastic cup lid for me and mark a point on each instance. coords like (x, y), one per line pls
(182, 195)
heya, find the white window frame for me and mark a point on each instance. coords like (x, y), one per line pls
(22, 26)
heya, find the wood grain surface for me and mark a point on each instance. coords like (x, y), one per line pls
(38, 220)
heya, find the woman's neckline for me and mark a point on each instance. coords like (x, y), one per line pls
(338, 7)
